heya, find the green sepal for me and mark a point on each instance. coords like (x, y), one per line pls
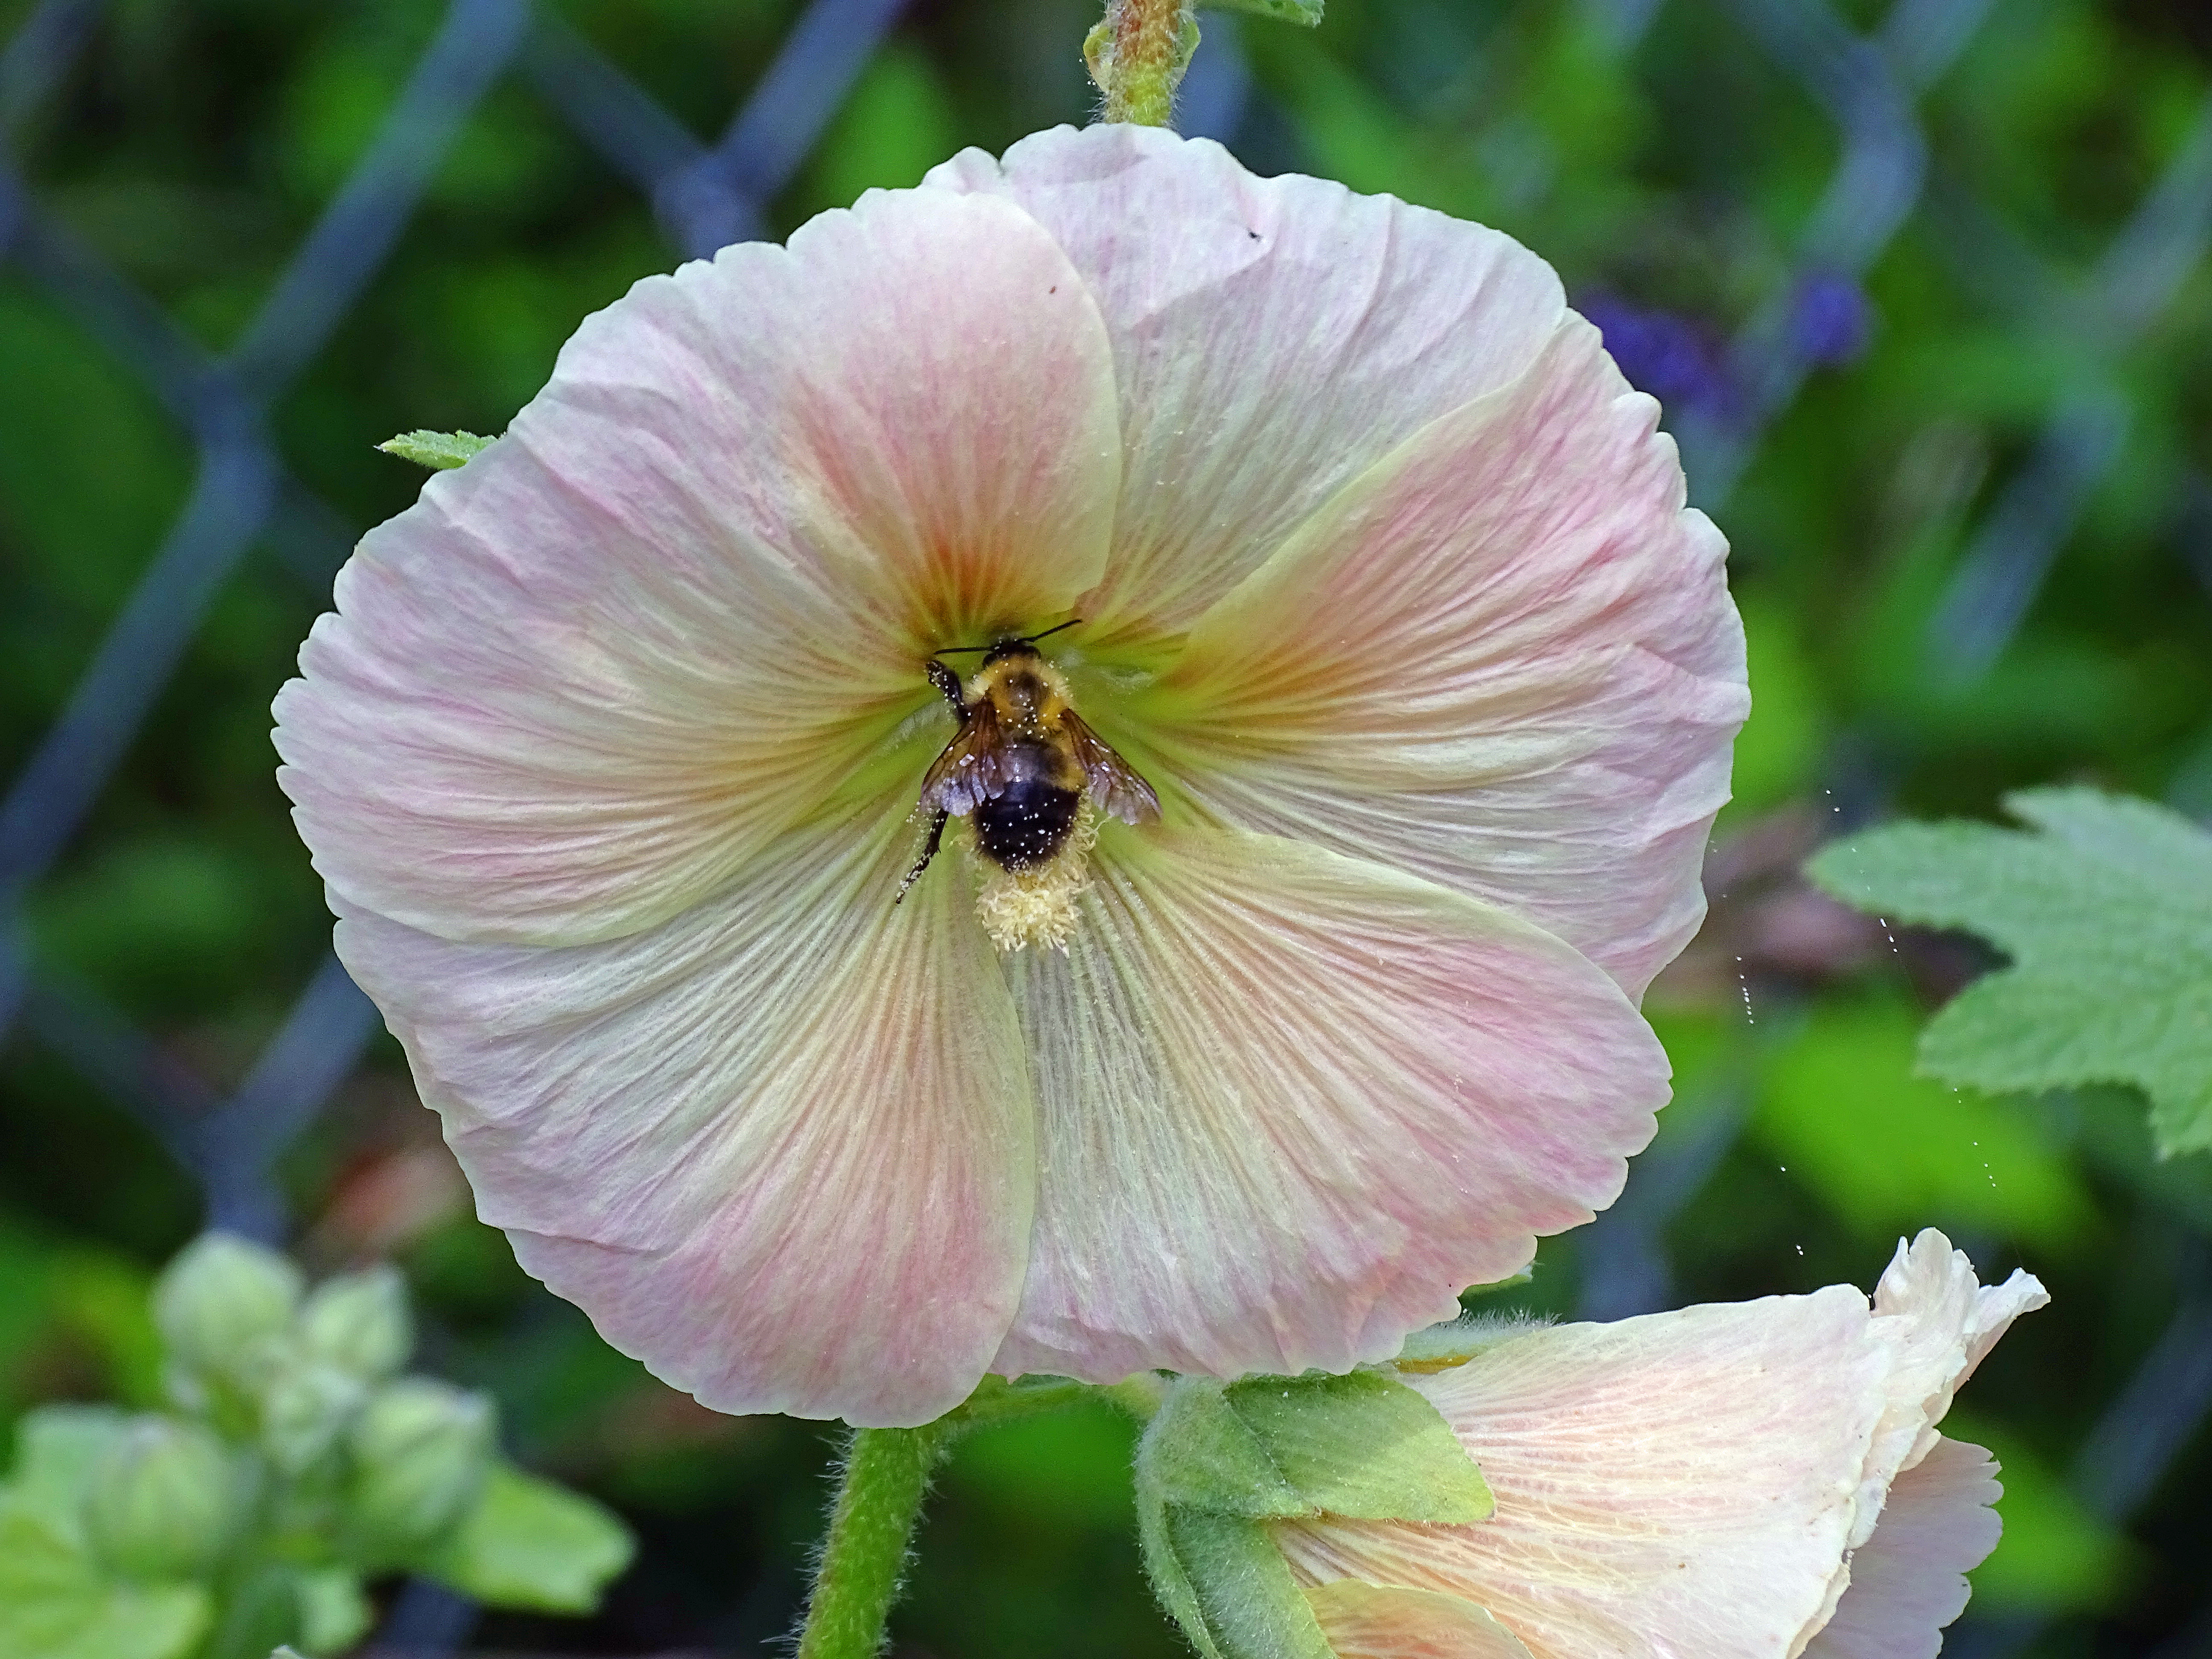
(529, 1543)
(1364, 1446)
(1200, 1452)
(438, 450)
(1498, 1286)
(1239, 1599)
(1305, 13)
(1220, 1462)
(1454, 1342)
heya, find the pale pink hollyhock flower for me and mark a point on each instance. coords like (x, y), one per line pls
(610, 753)
(1744, 1480)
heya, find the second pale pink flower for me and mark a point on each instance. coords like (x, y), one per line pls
(610, 753)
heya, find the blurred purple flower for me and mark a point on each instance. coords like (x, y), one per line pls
(1675, 359)
(1830, 319)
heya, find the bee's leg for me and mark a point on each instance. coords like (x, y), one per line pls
(949, 682)
(928, 852)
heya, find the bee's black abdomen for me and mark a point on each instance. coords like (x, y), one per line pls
(1028, 823)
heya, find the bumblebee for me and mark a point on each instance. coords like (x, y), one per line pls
(1020, 766)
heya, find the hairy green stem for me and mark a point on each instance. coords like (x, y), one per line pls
(879, 1496)
(1136, 56)
(879, 1493)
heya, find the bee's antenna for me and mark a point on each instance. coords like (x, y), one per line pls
(1024, 639)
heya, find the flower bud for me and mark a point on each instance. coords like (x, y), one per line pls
(162, 1500)
(223, 1306)
(307, 1410)
(421, 1452)
(1759, 1477)
(359, 1322)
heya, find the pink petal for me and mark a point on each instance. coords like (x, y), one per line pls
(591, 674)
(1503, 658)
(1940, 1322)
(1272, 339)
(1291, 1103)
(1365, 1621)
(1908, 1581)
(780, 1149)
(1680, 1483)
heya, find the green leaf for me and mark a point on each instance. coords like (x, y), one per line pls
(54, 1603)
(436, 450)
(529, 1543)
(1304, 12)
(2104, 907)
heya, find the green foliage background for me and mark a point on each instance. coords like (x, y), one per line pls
(192, 148)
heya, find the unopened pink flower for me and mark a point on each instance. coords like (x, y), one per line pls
(1752, 1481)
(610, 753)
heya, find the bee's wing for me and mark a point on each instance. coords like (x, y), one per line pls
(1115, 784)
(969, 771)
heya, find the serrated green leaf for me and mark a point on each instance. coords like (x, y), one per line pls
(436, 450)
(1306, 13)
(529, 1543)
(2104, 907)
(55, 1604)
(1365, 1446)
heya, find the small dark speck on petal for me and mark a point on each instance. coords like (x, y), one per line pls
(1054, 288)
(1253, 234)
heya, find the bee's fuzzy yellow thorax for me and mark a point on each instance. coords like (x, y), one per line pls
(1021, 687)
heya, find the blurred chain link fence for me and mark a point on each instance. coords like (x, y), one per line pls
(706, 193)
